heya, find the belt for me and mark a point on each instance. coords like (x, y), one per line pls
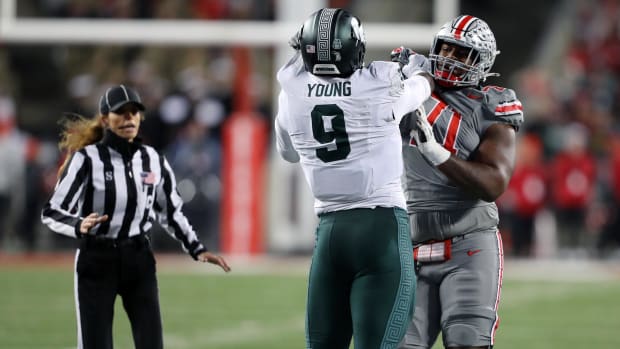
(94, 241)
(452, 239)
(428, 242)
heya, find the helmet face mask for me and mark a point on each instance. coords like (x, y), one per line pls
(474, 47)
(332, 43)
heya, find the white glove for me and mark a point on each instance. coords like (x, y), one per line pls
(418, 64)
(425, 139)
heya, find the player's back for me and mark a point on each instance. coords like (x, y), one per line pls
(345, 134)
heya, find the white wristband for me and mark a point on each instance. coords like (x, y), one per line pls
(425, 140)
(434, 153)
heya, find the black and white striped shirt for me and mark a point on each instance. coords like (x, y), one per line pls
(130, 182)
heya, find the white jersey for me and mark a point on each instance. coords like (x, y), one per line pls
(344, 132)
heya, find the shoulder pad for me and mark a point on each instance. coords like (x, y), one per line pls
(292, 68)
(383, 69)
(386, 71)
(389, 72)
(501, 104)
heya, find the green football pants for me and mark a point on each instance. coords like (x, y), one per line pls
(362, 280)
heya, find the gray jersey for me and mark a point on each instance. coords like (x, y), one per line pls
(438, 208)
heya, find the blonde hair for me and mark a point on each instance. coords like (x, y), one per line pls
(77, 133)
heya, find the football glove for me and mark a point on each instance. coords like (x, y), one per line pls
(418, 64)
(425, 140)
(401, 55)
(411, 63)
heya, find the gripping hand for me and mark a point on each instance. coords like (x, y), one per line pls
(425, 140)
(411, 63)
(401, 55)
(418, 64)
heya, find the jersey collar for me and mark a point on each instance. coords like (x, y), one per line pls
(121, 145)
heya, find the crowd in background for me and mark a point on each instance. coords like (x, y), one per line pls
(188, 93)
(566, 186)
(569, 155)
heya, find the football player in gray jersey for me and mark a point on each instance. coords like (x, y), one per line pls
(458, 158)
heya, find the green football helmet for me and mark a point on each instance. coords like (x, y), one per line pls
(332, 43)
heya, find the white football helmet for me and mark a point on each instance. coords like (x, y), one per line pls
(471, 33)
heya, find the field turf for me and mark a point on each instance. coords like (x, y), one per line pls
(250, 309)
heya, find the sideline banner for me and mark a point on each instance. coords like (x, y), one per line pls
(244, 140)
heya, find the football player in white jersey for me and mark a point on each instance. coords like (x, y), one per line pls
(339, 119)
(458, 160)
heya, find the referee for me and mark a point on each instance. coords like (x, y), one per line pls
(110, 190)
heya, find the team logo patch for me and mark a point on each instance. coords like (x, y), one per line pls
(472, 252)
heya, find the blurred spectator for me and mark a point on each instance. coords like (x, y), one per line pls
(534, 85)
(12, 169)
(609, 238)
(80, 90)
(572, 177)
(526, 195)
(196, 157)
(41, 159)
(212, 9)
(174, 110)
(578, 81)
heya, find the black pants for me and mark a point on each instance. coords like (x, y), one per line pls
(104, 269)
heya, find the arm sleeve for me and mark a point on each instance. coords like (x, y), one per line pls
(169, 213)
(59, 212)
(284, 144)
(416, 90)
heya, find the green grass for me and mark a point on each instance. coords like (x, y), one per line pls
(244, 311)
(198, 310)
(560, 315)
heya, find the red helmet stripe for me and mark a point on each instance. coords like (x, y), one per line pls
(461, 24)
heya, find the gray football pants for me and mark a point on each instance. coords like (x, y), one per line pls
(459, 297)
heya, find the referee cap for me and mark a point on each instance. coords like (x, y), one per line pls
(116, 97)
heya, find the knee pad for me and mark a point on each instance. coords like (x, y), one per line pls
(460, 335)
